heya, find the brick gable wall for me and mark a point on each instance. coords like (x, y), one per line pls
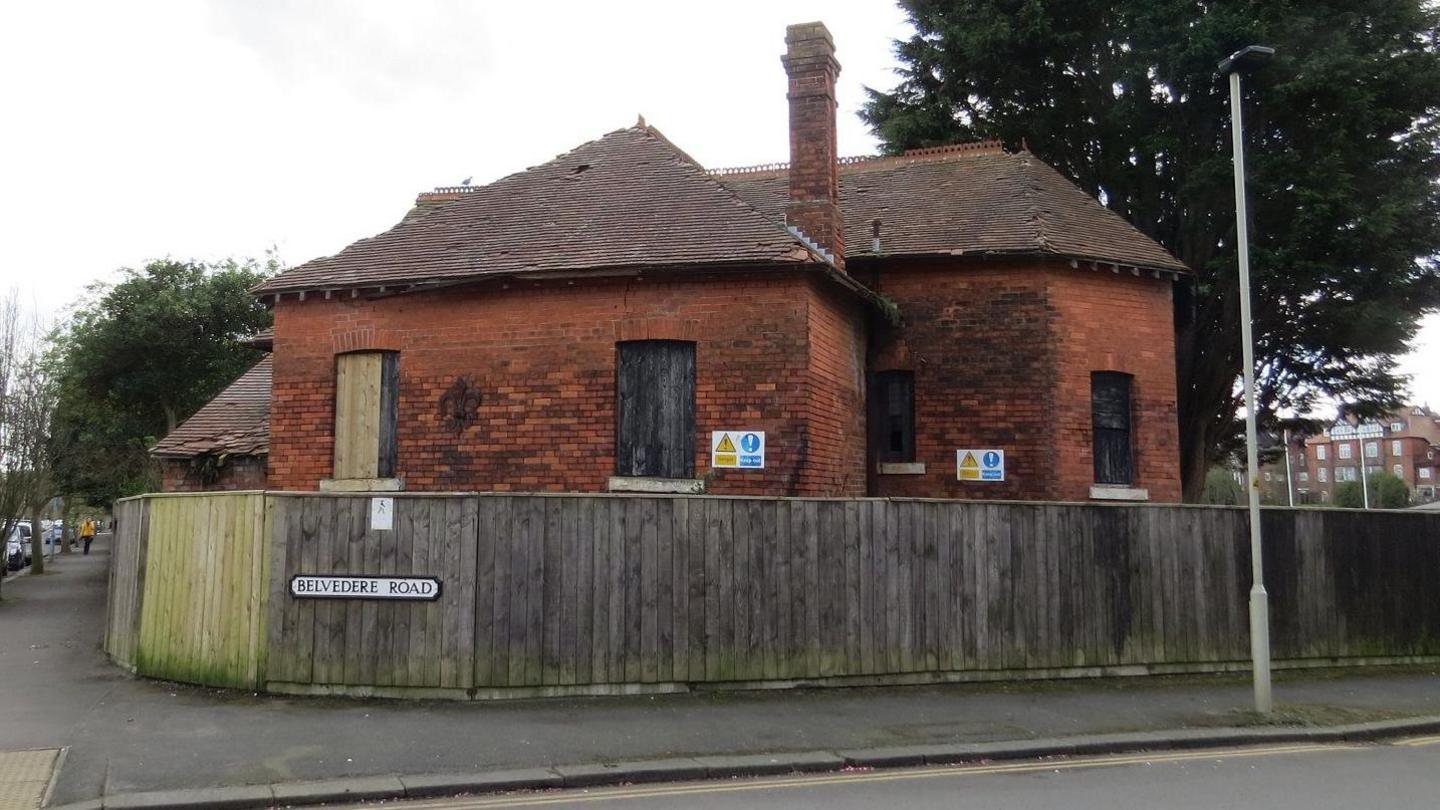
(543, 357)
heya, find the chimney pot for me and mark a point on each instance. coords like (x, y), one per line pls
(814, 206)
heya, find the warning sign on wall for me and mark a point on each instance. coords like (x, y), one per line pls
(980, 465)
(737, 448)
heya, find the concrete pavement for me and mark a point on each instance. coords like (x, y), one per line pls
(1307, 777)
(127, 735)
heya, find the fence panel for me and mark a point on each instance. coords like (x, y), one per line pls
(359, 642)
(203, 565)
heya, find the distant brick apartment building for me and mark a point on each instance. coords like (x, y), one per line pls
(589, 323)
(1405, 443)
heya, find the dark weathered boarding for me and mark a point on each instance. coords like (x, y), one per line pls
(655, 406)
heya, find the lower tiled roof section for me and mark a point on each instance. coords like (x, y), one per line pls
(965, 200)
(236, 422)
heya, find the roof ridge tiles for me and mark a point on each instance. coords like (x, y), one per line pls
(927, 154)
(1031, 188)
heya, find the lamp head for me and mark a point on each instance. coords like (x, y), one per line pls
(1246, 59)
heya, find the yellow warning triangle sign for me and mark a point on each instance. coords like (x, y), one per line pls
(725, 446)
(969, 461)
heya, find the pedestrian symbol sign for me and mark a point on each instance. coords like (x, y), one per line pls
(980, 465)
(737, 448)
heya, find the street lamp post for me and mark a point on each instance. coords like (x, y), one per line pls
(1242, 60)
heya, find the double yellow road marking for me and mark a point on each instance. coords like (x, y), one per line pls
(1416, 742)
(854, 777)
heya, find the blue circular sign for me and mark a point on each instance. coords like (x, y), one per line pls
(750, 442)
(992, 459)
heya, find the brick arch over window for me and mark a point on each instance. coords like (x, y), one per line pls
(363, 339)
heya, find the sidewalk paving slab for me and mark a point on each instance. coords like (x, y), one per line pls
(720, 767)
(330, 791)
(425, 786)
(221, 798)
(658, 770)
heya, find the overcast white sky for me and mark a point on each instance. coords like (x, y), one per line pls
(209, 129)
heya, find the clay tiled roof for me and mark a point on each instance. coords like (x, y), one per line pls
(629, 199)
(236, 422)
(264, 339)
(967, 199)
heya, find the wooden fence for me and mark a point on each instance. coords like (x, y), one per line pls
(575, 593)
(187, 602)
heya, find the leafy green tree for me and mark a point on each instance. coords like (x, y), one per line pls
(1386, 492)
(1222, 488)
(138, 358)
(1124, 99)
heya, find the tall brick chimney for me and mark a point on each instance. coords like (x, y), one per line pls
(814, 206)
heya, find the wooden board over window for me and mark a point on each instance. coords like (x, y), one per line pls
(1110, 416)
(655, 393)
(365, 410)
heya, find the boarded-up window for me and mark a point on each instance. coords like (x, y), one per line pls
(894, 408)
(1110, 417)
(655, 409)
(365, 411)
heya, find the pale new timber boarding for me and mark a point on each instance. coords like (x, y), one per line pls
(612, 593)
(187, 600)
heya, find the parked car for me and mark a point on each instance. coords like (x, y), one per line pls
(17, 547)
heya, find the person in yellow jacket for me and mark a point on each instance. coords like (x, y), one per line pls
(87, 533)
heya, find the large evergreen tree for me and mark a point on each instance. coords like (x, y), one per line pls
(1123, 98)
(142, 355)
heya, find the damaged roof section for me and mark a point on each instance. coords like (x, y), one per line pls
(628, 200)
(236, 422)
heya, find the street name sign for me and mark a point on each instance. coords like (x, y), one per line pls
(324, 586)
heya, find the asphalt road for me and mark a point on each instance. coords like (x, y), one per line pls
(1405, 774)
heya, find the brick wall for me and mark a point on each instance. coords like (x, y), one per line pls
(1104, 321)
(1002, 353)
(835, 404)
(239, 472)
(974, 337)
(543, 357)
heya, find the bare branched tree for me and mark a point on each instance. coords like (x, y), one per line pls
(27, 403)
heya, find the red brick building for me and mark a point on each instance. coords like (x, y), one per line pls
(1404, 443)
(588, 324)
